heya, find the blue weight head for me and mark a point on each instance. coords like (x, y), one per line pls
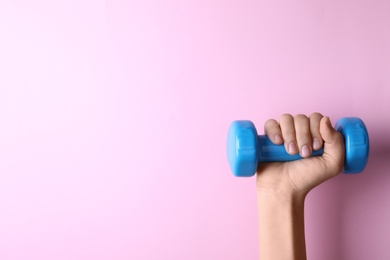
(241, 148)
(356, 143)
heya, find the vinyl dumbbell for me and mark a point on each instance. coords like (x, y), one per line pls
(245, 149)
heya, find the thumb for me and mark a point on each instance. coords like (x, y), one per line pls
(333, 147)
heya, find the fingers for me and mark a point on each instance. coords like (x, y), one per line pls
(287, 126)
(272, 130)
(304, 140)
(315, 120)
(299, 133)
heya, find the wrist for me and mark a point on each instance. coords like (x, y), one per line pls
(281, 197)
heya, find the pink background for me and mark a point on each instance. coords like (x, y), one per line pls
(114, 115)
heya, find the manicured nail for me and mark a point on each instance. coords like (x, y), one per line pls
(278, 138)
(305, 151)
(316, 144)
(292, 148)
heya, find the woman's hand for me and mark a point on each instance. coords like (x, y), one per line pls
(301, 134)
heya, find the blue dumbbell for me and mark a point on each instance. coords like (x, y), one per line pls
(245, 149)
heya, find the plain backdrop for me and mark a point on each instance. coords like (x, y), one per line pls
(114, 116)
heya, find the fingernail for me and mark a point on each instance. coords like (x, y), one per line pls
(305, 151)
(316, 144)
(292, 148)
(278, 138)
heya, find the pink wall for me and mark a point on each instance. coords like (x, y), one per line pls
(114, 116)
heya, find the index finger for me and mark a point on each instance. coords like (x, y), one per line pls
(273, 131)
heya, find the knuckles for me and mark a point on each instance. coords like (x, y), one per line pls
(300, 117)
(285, 118)
(316, 115)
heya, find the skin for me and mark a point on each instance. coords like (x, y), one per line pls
(282, 186)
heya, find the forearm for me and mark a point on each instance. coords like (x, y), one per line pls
(281, 227)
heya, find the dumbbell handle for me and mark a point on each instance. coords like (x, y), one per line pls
(269, 152)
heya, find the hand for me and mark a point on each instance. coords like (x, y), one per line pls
(301, 134)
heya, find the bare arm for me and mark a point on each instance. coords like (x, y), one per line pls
(281, 227)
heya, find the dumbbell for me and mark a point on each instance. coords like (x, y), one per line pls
(245, 149)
